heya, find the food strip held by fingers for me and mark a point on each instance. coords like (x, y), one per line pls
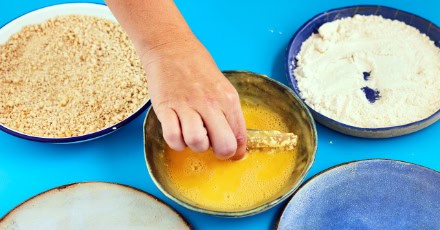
(270, 140)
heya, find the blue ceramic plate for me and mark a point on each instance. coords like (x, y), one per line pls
(46, 13)
(370, 194)
(310, 27)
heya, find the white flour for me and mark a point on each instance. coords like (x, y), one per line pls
(395, 59)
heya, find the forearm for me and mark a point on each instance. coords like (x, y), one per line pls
(195, 104)
(151, 24)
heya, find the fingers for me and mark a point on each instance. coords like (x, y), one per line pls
(193, 130)
(235, 118)
(220, 134)
(171, 128)
(218, 122)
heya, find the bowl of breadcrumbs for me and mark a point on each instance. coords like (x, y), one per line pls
(68, 73)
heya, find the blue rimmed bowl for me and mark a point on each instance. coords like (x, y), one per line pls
(43, 14)
(311, 26)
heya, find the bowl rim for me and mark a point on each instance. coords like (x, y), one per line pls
(85, 137)
(341, 165)
(262, 207)
(119, 185)
(291, 78)
(77, 139)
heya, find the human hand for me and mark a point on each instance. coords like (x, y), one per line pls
(196, 105)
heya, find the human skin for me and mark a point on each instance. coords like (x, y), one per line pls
(196, 105)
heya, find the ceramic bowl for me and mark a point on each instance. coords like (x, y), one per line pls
(367, 194)
(253, 87)
(43, 14)
(93, 205)
(310, 27)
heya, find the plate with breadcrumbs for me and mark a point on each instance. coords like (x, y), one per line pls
(68, 73)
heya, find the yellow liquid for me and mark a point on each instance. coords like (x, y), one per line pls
(202, 179)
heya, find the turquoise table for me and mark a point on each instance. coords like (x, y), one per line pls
(241, 35)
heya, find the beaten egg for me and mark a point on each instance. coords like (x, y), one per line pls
(202, 179)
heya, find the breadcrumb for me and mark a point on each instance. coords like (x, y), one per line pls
(69, 76)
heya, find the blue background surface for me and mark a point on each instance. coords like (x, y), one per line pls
(241, 35)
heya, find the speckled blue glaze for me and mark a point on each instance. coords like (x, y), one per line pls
(369, 194)
(311, 26)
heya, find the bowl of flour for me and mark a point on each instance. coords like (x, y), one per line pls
(368, 71)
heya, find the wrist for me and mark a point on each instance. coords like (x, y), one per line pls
(167, 44)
